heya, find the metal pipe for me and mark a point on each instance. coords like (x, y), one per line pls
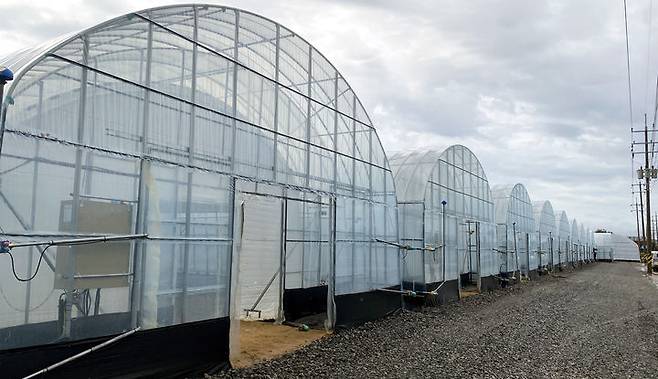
(550, 244)
(443, 241)
(95, 276)
(83, 353)
(401, 292)
(527, 250)
(33, 207)
(78, 241)
(539, 251)
(516, 251)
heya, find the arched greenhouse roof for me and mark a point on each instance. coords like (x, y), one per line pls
(412, 171)
(513, 205)
(575, 232)
(544, 216)
(562, 224)
(206, 46)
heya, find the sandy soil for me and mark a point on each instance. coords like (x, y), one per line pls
(264, 340)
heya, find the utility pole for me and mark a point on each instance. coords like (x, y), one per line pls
(647, 173)
(641, 237)
(644, 236)
(636, 209)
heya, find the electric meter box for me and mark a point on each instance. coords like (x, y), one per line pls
(99, 258)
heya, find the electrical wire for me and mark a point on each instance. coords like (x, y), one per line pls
(43, 252)
(649, 35)
(36, 271)
(628, 66)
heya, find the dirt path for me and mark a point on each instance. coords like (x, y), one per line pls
(599, 321)
(264, 340)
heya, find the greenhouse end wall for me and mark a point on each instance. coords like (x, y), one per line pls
(424, 181)
(546, 232)
(515, 229)
(179, 120)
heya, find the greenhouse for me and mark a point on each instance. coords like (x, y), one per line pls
(515, 230)
(614, 247)
(546, 232)
(563, 230)
(445, 187)
(238, 170)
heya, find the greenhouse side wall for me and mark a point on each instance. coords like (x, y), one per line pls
(184, 122)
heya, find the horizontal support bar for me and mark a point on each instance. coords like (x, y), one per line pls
(78, 241)
(96, 276)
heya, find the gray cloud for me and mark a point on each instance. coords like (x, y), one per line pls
(536, 89)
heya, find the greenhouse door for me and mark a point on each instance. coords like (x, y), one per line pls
(469, 259)
(308, 264)
(282, 268)
(259, 256)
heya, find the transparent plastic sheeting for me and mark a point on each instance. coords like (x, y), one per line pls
(562, 235)
(425, 179)
(583, 242)
(546, 232)
(516, 233)
(611, 246)
(574, 240)
(166, 112)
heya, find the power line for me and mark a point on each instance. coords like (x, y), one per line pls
(630, 97)
(628, 67)
(646, 88)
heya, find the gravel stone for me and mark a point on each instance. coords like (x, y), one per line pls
(598, 321)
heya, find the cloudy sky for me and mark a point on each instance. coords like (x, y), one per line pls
(537, 89)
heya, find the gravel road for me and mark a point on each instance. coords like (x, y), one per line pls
(595, 322)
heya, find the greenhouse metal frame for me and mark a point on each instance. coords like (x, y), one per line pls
(187, 168)
(545, 225)
(515, 230)
(613, 247)
(445, 187)
(574, 242)
(563, 232)
(218, 133)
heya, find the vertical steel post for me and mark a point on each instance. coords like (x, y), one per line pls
(190, 173)
(539, 251)
(443, 238)
(516, 251)
(282, 265)
(277, 50)
(527, 249)
(647, 183)
(477, 255)
(559, 251)
(550, 244)
(331, 292)
(307, 169)
(33, 208)
(234, 97)
(137, 290)
(75, 206)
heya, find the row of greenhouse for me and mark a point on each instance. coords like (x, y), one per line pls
(238, 177)
(460, 229)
